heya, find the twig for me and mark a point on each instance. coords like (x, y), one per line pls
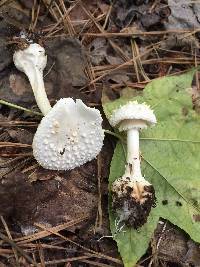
(21, 251)
(9, 236)
(95, 254)
(10, 144)
(114, 134)
(3, 102)
(42, 234)
(55, 262)
(137, 33)
(197, 73)
(99, 217)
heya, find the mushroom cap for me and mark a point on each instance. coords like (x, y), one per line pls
(68, 136)
(33, 55)
(132, 115)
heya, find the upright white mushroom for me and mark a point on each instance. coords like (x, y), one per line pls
(132, 195)
(32, 61)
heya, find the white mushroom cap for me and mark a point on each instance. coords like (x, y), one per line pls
(33, 54)
(132, 115)
(68, 136)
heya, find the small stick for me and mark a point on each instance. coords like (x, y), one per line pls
(13, 244)
(9, 235)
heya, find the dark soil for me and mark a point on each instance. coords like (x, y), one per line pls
(137, 199)
(90, 47)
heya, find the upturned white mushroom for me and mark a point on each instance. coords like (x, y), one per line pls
(32, 61)
(68, 136)
(132, 195)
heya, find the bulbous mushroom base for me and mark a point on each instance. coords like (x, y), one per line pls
(132, 200)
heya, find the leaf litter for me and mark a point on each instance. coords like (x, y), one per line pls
(110, 54)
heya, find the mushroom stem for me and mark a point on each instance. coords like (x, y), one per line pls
(133, 169)
(37, 84)
(32, 61)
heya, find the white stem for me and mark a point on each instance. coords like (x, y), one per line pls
(37, 84)
(32, 62)
(133, 154)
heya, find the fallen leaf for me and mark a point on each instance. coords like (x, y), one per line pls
(170, 161)
(184, 15)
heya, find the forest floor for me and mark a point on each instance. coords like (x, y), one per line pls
(60, 218)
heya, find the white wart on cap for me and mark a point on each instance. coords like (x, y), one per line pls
(68, 136)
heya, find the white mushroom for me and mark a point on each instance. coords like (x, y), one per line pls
(133, 196)
(68, 136)
(32, 61)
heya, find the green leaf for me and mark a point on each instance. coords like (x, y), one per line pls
(170, 161)
(131, 244)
